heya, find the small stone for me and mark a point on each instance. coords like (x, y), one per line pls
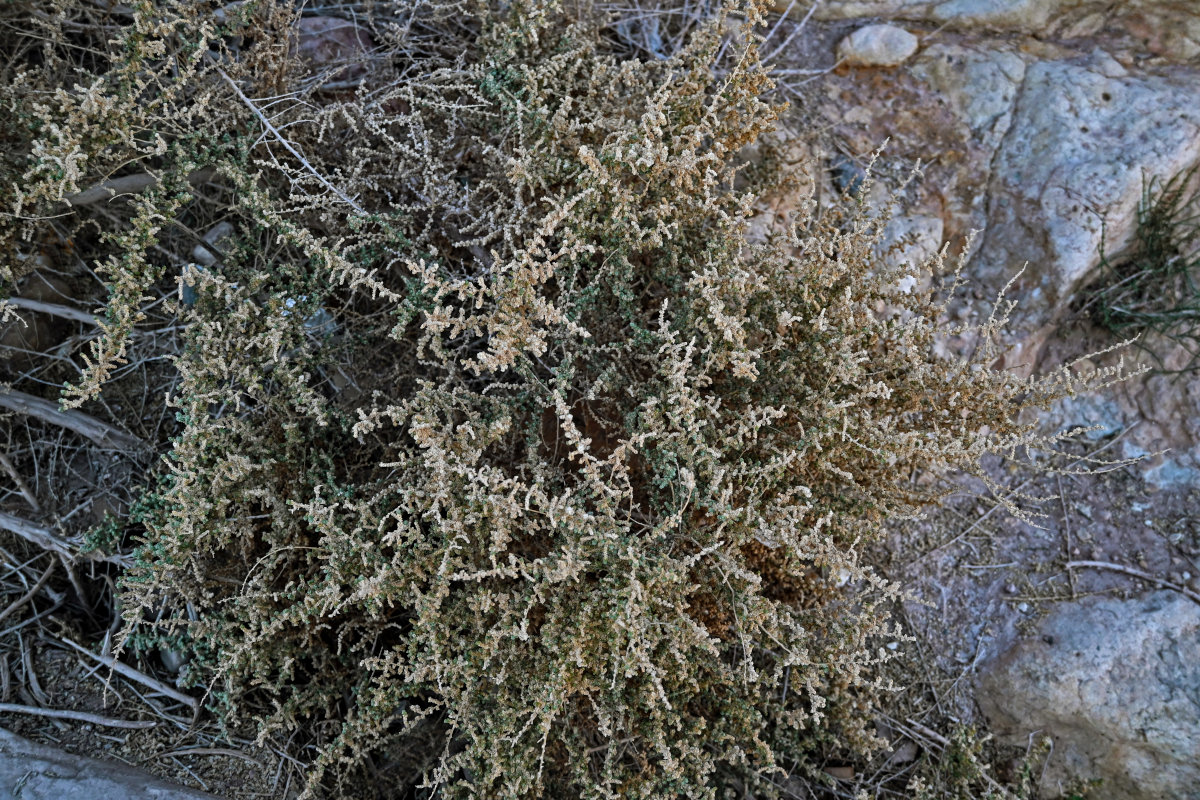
(328, 42)
(1023, 607)
(893, 645)
(1010, 588)
(216, 238)
(172, 660)
(877, 46)
(848, 177)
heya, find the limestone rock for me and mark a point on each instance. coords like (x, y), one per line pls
(1084, 136)
(981, 86)
(877, 46)
(33, 771)
(1166, 29)
(910, 240)
(1116, 685)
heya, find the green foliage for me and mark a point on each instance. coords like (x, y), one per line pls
(571, 503)
(1156, 286)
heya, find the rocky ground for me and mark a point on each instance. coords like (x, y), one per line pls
(1037, 127)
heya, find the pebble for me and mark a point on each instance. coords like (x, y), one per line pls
(877, 46)
(848, 176)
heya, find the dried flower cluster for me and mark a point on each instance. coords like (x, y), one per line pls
(503, 452)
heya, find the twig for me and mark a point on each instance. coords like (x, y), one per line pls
(1062, 499)
(45, 538)
(86, 425)
(35, 534)
(53, 309)
(21, 484)
(38, 616)
(25, 598)
(288, 145)
(79, 716)
(928, 733)
(31, 677)
(943, 742)
(135, 675)
(1136, 573)
(1021, 486)
(211, 751)
(128, 184)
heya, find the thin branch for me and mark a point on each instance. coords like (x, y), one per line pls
(288, 145)
(47, 539)
(137, 676)
(86, 425)
(35, 534)
(25, 598)
(128, 184)
(79, 716)
(1136, 573)
(21, 484)
(53, 309)
(211, 751)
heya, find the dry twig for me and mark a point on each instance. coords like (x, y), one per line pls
(1136, 573)
(86, 425)
(128, 184)
(288, 145)
(79, 716)
(129, 672)
(35, 534)
(25, 598)
(21, 484)
(53, 309)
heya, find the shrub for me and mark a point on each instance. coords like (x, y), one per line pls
(569, 501)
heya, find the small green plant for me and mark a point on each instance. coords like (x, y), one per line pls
(1156, 286)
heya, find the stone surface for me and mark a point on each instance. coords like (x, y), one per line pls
(981, 86)
(1069, 172)
(877, 46)
(910, 240)
(31, 771)
(1165, 29)
(1116, 685)
(217, 237)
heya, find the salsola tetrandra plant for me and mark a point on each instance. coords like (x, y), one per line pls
(568, 501)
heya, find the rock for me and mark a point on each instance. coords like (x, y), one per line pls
(216, 237)
(1100, 412)
(1116, 685)
(1019, 14)
(910, 240)
(1084, 136)
(848, 176)
(33, 771)
(981, 86)
(1166, 29)
(877, 46)
(26, 334)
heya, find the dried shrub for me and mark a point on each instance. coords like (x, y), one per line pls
(502, 451)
